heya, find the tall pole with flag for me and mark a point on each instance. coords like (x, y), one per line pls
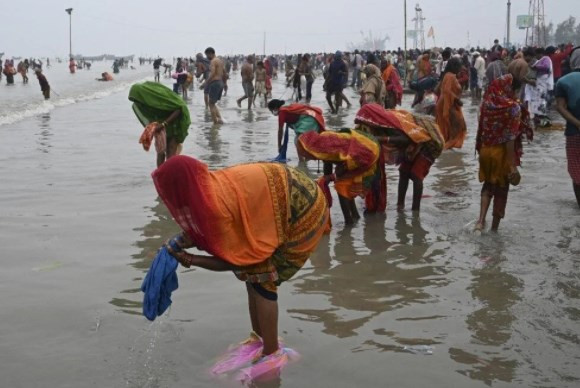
(69, 11)
(431, 34)
(509, 6)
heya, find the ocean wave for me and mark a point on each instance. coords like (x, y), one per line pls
(26, 110)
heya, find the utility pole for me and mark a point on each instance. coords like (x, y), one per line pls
(509, 6)
(405, 44)
(264, 48)
(69, 11)
(419, 29)
(538, 36)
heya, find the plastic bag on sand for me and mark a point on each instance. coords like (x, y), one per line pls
(246, 359)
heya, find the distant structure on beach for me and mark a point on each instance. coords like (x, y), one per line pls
(369, 43)
(104, 57)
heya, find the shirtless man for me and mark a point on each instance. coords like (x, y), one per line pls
(261, 82)
(247, 82)
(215, 83)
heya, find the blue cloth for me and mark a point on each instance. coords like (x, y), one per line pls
(336, 76)
(160, 282)
(568, 87)
(281, 158)
(423, 84)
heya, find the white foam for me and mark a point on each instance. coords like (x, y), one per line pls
(25, 111)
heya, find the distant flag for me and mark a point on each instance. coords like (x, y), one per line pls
(431, 33)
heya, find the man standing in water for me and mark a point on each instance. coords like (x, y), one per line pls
(568, 105)
(247, 82)
(44, 86)
(156, 68)
(215, 84)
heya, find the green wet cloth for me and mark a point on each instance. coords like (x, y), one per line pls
(155, 102)
(304, 124)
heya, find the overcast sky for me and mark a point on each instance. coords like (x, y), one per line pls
(183, 27)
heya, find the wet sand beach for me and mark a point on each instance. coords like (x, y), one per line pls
(401, 300)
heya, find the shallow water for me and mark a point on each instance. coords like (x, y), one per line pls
(403, 300)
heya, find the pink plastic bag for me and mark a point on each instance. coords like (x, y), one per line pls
(246, 359)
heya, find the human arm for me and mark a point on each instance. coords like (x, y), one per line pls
(211, 263)
(511, 156)
(562, 108)
(172, 117)
(397, 140)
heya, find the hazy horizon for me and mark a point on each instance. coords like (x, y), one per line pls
(146, 28)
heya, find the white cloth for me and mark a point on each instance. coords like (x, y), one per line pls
(537, 96)
(479, 65)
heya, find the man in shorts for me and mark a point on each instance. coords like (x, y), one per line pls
(247, 82)
(260, 88)
(156, 68)
(215, 83)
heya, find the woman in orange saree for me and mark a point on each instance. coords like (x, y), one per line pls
(392, 82)
(410, 141)
(355, 155)
(261, 221)
(448, 109)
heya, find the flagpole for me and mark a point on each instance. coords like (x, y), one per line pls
(405, 45)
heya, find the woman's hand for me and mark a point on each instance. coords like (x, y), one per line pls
(514, 177)
(184, 258)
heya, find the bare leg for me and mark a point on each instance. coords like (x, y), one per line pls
(500, 196)
(252, 308)
(345, 207)
(484, 207)
(495, 223)
(171, 148)
(403, 186)
(343, 97)
(329, 100)
(417, 194)
(353, 210)
(206, 100)
(266, 316)
(160, 158)
(215, 114)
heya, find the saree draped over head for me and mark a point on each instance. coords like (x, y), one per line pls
(265, 218)
(153, 102)
(448, 113)
(356, 150)
(305, 110)
(503, 118)
(421, 130)
(392, 82)
(537, 96)
(373, 89)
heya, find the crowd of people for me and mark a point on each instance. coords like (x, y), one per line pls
(263, 220)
